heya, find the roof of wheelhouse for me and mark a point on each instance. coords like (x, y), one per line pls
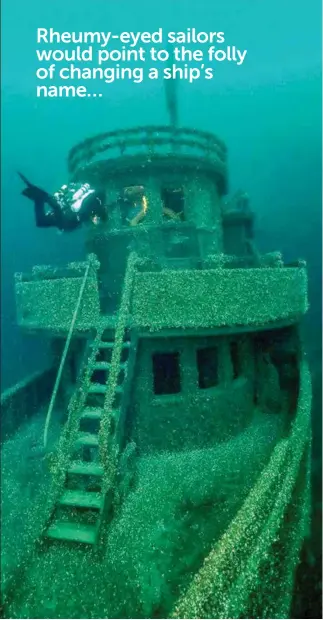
(149, 147)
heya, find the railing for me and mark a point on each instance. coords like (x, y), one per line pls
(212, 297)
(252, 260)
(159, 140)
(66, 348)
(19, 402)
(48, 272)
(46, 298)
(224, 261)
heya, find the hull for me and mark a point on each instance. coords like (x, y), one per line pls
(249, 572)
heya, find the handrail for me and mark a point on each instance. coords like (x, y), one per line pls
(150, 131)
(107, 458)
(64, 355)
(149, 137)
(48, 272)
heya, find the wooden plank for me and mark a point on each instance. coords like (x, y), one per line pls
(93, 413)
(85, 469)
(87, 439)
(81, 499)
(75, 533)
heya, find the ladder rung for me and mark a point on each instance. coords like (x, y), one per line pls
(107, 365)
(81, 499)
(106, 345)
(72, 532)
(93, 413)
(101, 365)
(110, 344)
(87, 439)
(97, 388)
(85, 468)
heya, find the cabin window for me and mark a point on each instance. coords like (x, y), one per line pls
(235, 359)
(173, 203)
(166, 371)
(133, 205)
(207, 364)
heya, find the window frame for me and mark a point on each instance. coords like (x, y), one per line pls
(213, 347)
(178, 216)
(177, 355)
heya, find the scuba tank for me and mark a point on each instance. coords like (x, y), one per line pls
(81, 202)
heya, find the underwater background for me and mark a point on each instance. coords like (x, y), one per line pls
(268, 112)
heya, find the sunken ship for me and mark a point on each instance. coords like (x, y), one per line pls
(178, 485)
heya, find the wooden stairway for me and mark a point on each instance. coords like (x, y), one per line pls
(78, 512)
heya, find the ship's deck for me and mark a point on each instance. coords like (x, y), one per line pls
(25, 479)
(175, 494)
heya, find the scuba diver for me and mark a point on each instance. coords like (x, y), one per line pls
(70, 207)
(133, 204)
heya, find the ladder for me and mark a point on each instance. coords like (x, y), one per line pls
(78, 512)
(80, 507)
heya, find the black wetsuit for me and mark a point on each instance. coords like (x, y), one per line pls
(60, 214)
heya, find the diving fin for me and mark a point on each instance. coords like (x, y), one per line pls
(25, 180)
(32, 191)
